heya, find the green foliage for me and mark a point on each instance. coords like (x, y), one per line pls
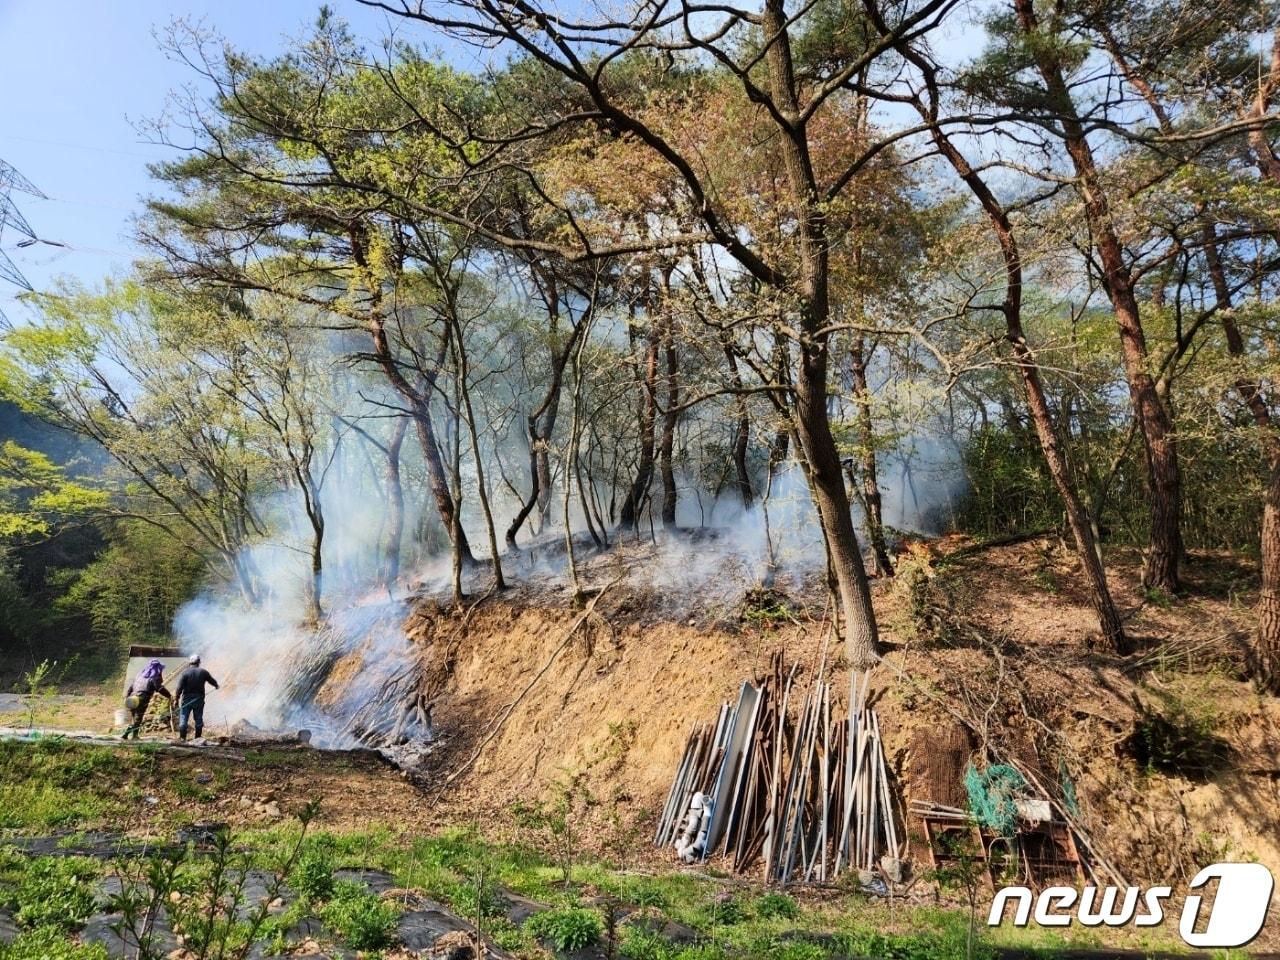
(949, 945)
(312, 876)
(725, 909)
(557, 818)
(767, 609)
(965, 868)
(1010, 489)
(800, 950)
(1179, 730)
(507, 936)
(569, 928)
(205, 895)
(773, 905)
(644, 891)
(132, 590)
(35, 495)
(56, 892)
(54, 783)
(39, 686)
(364, 921)
(49, 943)
(473, 900)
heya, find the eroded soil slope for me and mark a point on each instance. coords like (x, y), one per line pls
(1171, 755)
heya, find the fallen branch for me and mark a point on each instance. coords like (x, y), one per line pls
(501, 721)
(994, 542)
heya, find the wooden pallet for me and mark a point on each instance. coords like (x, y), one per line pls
(1042, 854)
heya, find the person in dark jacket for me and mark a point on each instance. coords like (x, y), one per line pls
(145, 686)
(190, 693)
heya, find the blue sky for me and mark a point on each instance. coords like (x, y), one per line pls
(74, 77)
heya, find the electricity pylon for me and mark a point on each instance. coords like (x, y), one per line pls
(10, 216)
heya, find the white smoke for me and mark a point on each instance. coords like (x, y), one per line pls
(721, 551)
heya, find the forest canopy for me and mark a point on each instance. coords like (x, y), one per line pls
(925, 265)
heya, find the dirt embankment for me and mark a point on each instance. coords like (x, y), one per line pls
(1174, 760)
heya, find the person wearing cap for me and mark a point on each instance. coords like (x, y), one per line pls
(189, 691)
(145, 686)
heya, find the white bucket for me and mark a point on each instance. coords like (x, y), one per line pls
(122, 718)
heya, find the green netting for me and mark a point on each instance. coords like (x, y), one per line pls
(991, 794)
(1068, 790)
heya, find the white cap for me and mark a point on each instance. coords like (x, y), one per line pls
(194, 659)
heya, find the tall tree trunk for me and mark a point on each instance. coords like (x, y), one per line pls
(1267, 643)
(669, 431)
(630, 514)
(866, 441)
(1266, 666)
(455, 532)
(300, 465)
(541, 426)
(395, 504)
(741, 430)
(468, 410)
(437, 479)
(1078, 516)
(741, 440)
(812, 422)
(1266, 651)
(1164, 549)
(813, 429)
(418, 402)
(537, 460)
(571, 467)
(317, 567)
(242, 570)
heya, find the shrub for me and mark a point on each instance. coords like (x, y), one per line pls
(640, 944)
(570, 928)
(362, 920)
(55, 893)
(1178, 731)
(776, 906)
(470, 902)
(312, 876)
(726, 910)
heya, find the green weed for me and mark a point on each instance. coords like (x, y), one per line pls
(569, 928)
(362, 920)
(312, 876)
(56, 892)
(49, 943)
(774, 906)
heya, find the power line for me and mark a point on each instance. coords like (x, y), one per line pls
(95, 148)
